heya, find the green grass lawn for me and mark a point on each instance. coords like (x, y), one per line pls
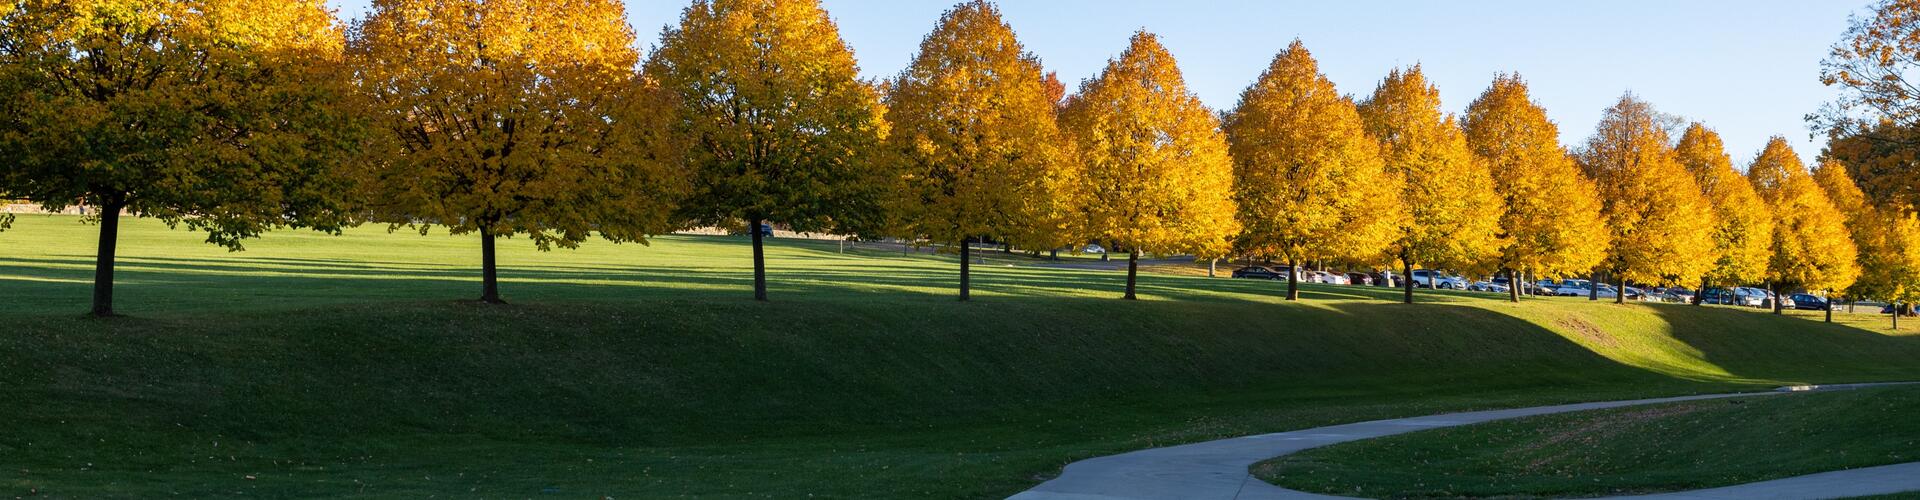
(1648, 449)
(317, 365)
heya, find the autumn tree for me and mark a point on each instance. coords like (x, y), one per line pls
(1811, 247)
(1662, 229)
(223, 115)
(778, 124)
(1308, 181)
(504, 118)
(1888, 241)
(974, 123)
(1452, 216)
(1743, 232)
(1156, 171)
(1549, 222)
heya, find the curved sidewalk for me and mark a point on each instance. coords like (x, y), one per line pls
(1218, 469)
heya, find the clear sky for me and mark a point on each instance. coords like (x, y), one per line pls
(1747, 68)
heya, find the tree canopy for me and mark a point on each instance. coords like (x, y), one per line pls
(1744, 232)
(223, 115)
(505, 118)
(1662, 229)
(1308, 181)
(973, 123)
(778, 125)
(1811, 246)
(1452, 217)
(1157, 175)
(1550, 223)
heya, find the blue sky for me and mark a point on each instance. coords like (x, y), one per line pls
(1747, 68)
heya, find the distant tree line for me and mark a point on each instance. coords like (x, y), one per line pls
(543, 119)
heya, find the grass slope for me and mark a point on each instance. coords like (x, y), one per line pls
(1649, 449)
(322, 365)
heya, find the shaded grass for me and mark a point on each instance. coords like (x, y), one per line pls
(322, 366)
(1634, 450)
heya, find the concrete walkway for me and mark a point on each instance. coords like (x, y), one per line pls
(1218, 469)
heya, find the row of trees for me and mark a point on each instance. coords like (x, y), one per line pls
(507, 118)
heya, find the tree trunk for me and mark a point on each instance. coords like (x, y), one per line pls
(1293, 281)
(1053, 254)
(103, 259)
(1593, 287)
(1829, 306)
(1213, 266)
(1513, 285)
(1775, 297)
(759, 263)
(1006, 247)
(1895, 306)
(1133, 271)
(1620, 289)
(1699, 296)
(966, 260)
(489, 272)
(1407, 266)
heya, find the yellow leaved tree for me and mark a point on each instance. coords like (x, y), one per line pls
(1452, 213)
(777, 125)
(1308, 180)
(1811, 246)
(1888, 241)
(1550, 222)
(224, 115)
(973, 123)
(1156, 171)
(512, 117)
(1743, 233)
(1662, 229)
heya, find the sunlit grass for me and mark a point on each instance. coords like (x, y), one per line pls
(329, 365)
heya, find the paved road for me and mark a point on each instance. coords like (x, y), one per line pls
(1218, 469)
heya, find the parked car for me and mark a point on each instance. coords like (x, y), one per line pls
(1388, 279)
(1362, 279)
(1487, 286)
(1094, 248)
(1333, 278)
(1677, 294)
(1809, 302)
(1425, 278)
(1258, 272)
(1738, 296)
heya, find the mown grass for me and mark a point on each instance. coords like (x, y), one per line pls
(316, 365)
(1635, 450)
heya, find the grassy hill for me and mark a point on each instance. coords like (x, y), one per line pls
(1622, 451)
(322, 365)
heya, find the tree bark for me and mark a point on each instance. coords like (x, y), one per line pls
(966, 262)
(1775, 297)
(1212, 268)
(489, 272)
(759, 263)
(1293, 281)
(1593, 286)
(1513, 285)
(1895, 306)
(103, 259)
(1699, 296)
(1620, 289)
(1407, 266)
(1829, 306)
(1133, 271)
